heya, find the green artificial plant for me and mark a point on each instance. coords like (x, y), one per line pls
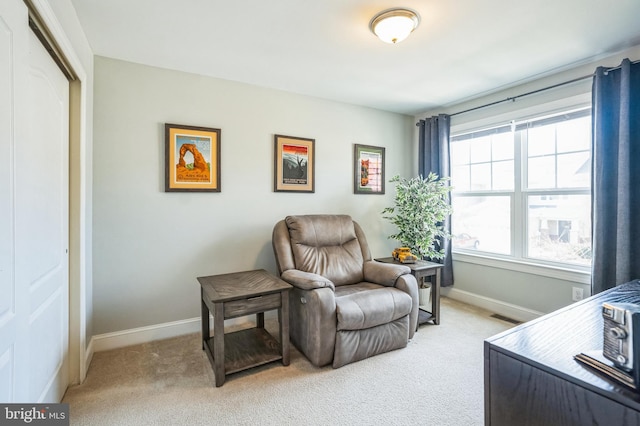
(421, 207)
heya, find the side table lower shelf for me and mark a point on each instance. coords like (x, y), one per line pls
(246, 349)
(425, 316)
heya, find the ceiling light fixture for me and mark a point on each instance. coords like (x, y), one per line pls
(394, 25)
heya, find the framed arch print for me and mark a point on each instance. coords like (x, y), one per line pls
(368, 169)
(192, 158)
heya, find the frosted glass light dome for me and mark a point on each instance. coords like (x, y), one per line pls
(394, 25)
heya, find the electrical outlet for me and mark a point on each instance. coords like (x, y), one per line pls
(578, 294)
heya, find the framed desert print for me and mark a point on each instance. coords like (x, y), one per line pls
(368, 169)
(294, 169)
(192, 158)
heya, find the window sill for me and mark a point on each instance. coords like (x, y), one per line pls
(577, 275)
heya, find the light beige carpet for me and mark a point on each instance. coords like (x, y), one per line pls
(436, 380)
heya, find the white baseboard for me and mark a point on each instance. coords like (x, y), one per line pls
(136, 336)
(497, 306)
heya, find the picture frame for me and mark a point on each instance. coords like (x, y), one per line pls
(368, 169)
(294, 164)
(192, 158)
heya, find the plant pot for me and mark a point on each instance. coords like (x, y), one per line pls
(424, 296)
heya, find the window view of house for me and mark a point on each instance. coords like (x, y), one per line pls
(522, 190)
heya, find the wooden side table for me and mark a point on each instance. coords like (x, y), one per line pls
(421, 270)
(240, 294)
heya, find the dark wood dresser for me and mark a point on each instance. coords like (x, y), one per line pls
(531, 377)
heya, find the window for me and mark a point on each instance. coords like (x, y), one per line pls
(522, 190)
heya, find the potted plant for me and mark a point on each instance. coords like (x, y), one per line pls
(421, 207)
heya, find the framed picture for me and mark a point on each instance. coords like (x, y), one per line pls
(192, 158)
(294, 169)
(368, 169)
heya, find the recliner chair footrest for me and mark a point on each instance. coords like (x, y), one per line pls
(355, 345)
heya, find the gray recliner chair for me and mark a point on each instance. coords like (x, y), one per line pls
(344, 306)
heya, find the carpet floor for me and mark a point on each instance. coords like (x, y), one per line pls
(436, 380)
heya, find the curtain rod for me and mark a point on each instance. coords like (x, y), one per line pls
(533, 92)
(513, 98)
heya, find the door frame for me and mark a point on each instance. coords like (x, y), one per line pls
(79, 191)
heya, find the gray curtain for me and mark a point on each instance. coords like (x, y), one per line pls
(615, 188)
(433, 156)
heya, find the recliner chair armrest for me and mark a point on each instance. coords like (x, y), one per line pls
(384, 273)
(409, 285)
(306, 280)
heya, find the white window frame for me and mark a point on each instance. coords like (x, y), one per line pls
(516, 261)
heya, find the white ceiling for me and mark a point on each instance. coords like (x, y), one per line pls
(462, 48)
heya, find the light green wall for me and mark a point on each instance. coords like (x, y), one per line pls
(149, 246)
(516, 294)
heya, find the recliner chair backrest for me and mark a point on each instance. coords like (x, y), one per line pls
(329, 245)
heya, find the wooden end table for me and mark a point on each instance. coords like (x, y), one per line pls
(421, 270)
(240, 294)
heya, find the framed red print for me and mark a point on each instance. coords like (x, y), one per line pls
(368, 169)
(192, 158)
(294, 168)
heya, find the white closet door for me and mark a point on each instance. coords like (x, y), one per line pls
(34, 215)
(14, 301)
